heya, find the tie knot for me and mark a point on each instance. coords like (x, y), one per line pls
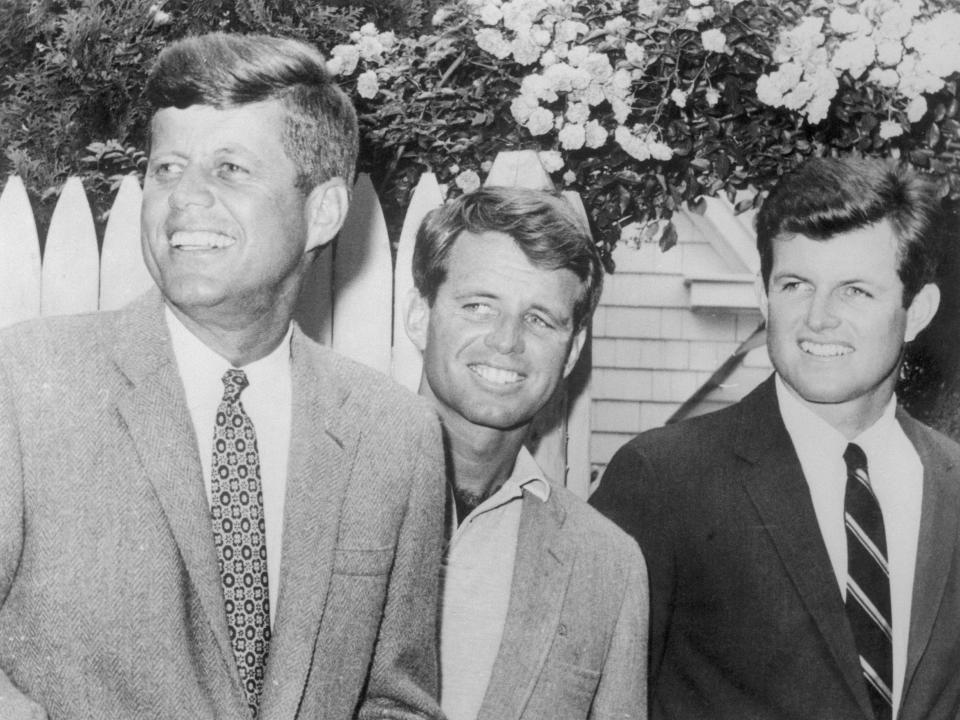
(234, 381)
(855, 458)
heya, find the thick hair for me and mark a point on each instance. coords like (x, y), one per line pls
(320, 131)
(545, 227)
(828, 196)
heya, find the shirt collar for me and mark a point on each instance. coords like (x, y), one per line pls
(201, 367)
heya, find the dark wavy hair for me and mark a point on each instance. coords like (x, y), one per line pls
(546, 228)
(828, 196)
(320, 132)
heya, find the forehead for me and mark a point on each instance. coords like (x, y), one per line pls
(254, 127)
(870, 251)
(491, 261)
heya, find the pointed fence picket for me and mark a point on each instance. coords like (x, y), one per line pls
(354, 296)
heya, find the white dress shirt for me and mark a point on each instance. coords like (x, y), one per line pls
(268, 402)
(896, 475)
(477, 573)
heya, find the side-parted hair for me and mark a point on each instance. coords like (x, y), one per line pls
(545, 227)
(221, 70)
(828, 196)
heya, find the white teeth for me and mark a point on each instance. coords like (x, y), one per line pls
(496, 375)
(824, 349)
(200, 240)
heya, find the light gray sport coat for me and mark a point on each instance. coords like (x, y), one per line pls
(110, 597)
(575, 641)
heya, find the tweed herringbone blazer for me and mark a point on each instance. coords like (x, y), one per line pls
(747, 620)
(110, 596)
(574, 644)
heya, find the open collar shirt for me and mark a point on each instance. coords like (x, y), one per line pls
(477, 574)
(268, 402)
(896, 475)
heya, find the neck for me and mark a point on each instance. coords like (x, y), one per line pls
(241, 342)
(479, 459)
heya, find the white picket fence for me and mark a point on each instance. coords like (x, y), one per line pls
(352, 300)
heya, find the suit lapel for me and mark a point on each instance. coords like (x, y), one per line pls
(776, 485)
(322, 446)
(541, 574)
(155, 412)
(936, 544)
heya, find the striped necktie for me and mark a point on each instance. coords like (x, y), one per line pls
(239, 535)
(868, 583)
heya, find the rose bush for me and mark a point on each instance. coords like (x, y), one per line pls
(641, 106)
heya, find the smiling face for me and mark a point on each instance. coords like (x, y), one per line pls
(836, 324)
(224, 228)
(499, 337)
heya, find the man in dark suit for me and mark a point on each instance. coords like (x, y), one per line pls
(802, 544)
(544, 610)
(203, 514)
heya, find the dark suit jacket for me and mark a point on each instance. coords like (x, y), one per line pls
(747, 620)
(574, 644)
(110, 596)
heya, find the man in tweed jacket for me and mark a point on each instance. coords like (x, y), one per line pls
(116, 593)
(544, 611)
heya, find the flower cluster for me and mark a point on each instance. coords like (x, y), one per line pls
(641, 105)
(902, 47)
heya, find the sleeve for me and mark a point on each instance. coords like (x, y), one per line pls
(14, 705)
(622, 693)
(635, 498)
(404, 678)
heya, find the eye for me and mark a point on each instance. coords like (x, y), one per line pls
(231, 170)
(854, 291)
(478, 308)
(539, 321)
(163, 171)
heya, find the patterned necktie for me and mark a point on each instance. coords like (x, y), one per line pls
(238, 532)
(868, 583)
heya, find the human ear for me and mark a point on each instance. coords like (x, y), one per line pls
(416, 319)
(576, 345)
(760, 288)
(326, 210)
(921, 311)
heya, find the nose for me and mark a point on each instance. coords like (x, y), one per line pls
(505, 336)
(192, 188)
(821, 313)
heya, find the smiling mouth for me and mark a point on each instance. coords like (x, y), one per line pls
(200, 240)
(824, 350)
(498, 376)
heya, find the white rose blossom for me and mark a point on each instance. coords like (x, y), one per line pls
(713, 40)
(577, 112)
(712, 96)
(367, 84)
(348, 57)
(572, 136)
(490, 15)
(679, 97)
(917, 109)
(659, 150)
(635, 54)
(890, 129)
(493, 42)
(631, 144)
(569, 177)
(551, 160)
(468, 181)
(525, 51)
(540, 121)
